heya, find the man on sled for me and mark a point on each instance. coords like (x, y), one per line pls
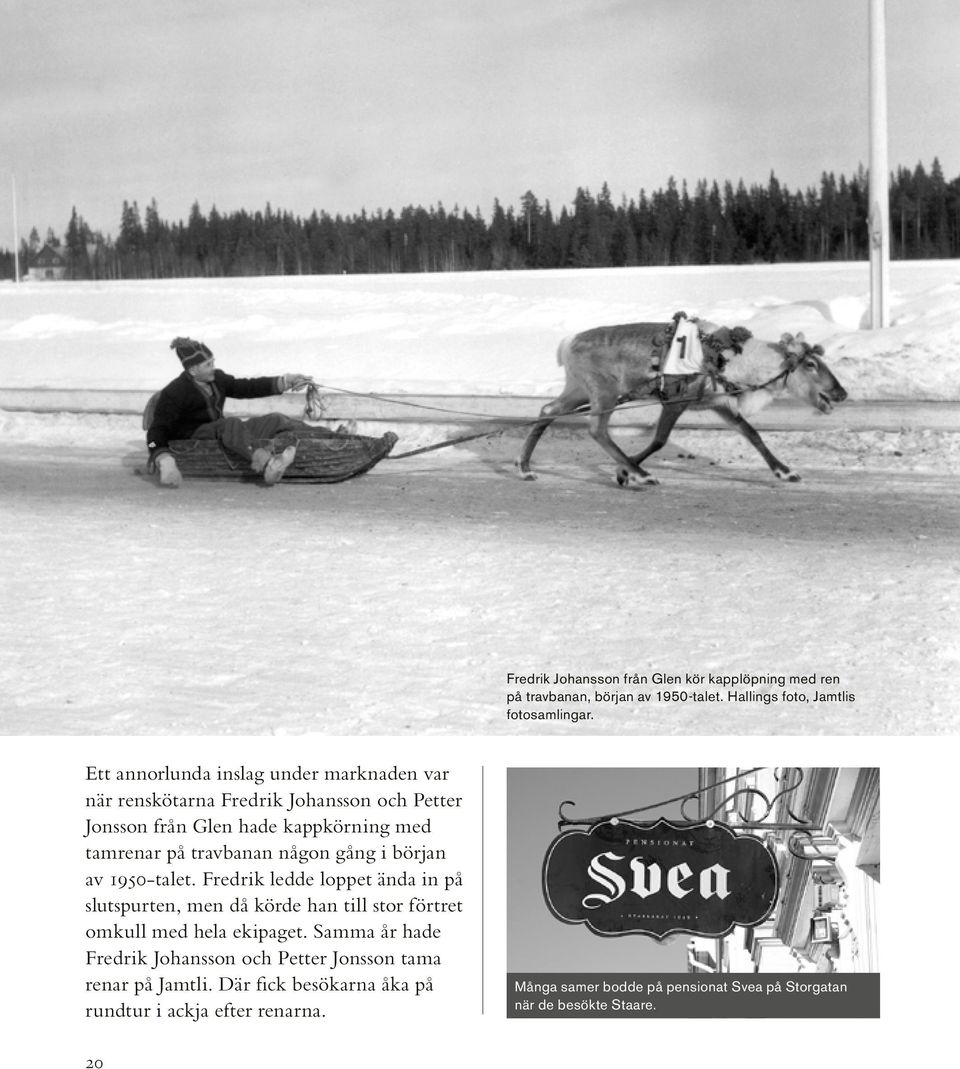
(192, 407)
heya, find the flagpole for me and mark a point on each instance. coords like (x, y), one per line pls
(879, 222)
(16, 231)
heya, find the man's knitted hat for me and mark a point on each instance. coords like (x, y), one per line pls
(190, 352)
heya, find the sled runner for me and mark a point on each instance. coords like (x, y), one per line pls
(322, 456)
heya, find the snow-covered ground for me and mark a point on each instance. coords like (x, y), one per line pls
(399, 602)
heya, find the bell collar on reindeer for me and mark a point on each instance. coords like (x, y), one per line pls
(191, 353)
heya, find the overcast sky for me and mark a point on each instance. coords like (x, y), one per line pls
(340, 105)
(536, 940)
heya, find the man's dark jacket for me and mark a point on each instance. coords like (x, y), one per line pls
(182, 406)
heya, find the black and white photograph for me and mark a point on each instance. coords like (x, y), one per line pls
(371, 244)
(702, 871)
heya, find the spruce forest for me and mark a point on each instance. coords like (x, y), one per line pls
(732, 224)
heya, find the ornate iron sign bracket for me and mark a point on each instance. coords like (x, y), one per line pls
(801, 843)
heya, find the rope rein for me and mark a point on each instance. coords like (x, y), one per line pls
(315, 408)
(443, 445)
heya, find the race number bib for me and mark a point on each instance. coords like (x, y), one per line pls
(685, 355)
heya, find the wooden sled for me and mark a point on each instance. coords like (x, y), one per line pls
(323, 456)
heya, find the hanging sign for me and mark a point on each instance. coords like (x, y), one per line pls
(622, 878)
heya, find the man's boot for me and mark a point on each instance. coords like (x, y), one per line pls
(278, 464)
(169, 472)
(259, 460)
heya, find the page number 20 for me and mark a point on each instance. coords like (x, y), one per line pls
(93, 1063)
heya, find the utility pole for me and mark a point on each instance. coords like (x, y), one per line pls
(879, 222)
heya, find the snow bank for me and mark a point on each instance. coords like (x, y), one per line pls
(486, 333)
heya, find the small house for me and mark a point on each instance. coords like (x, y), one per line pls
(49, 264)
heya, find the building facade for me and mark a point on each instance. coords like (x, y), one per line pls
(823, 826)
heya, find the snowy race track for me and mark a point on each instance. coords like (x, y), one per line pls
(398, 602)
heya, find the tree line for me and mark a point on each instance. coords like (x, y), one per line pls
(732, 224)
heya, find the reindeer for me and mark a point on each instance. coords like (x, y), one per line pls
(608, 366)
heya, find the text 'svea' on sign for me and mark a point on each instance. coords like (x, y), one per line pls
(623, 878)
